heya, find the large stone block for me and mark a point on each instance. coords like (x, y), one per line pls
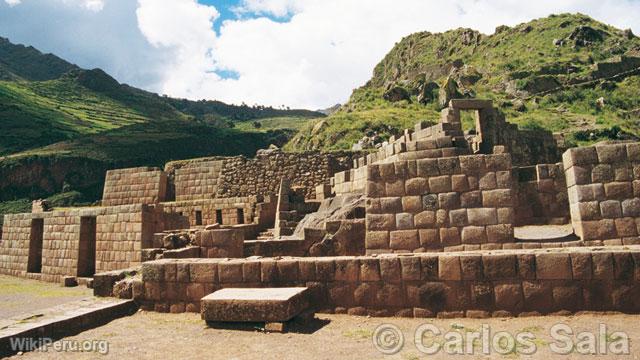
(395, 187)
(412, 204)
(416, 186)
(450, 200)
(347, 270)
(498, 162)
(449, 268)
(553, 266)
(425, 219)
(230, 272)
(458, 217)
(377, 240)
(369, 270)
(509, 297)
(610, 209)
(390, 205)
(497, 198)
(471, 267)
(429, 238)
(501, 233)
(450, 236)
(581, 265)
(580, 156)
(404, 240)
(474, 235)
(440, 184)
(482, 216)
(472, 164)
(459, 183)
(612, 153)
(631, 207)
(390, 270)
(471, 199)
(404, 221)
(618, 190)
(254, 305)
(410, 268)
(498, 267)
(602, 266)
(537, 296)
(381, 222)
(427, 167)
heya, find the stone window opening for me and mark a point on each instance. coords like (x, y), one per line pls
(198, 217)
(219, 216)
(240, 213)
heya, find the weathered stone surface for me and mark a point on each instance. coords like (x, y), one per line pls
(254, 304)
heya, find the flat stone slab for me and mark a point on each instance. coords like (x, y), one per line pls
(254, 304)
(62, 320)
(545, 233)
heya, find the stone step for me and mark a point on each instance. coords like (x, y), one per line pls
(287, 231)
(60, 321)
(266, 305)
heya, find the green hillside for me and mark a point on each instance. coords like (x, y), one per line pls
(62, 126)
(549, 73)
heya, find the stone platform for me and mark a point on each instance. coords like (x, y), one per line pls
(62, 320)
(254, 304)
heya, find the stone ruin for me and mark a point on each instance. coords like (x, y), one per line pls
(431, 224)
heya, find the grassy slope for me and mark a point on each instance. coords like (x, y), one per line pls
(51, 110)
(509, 62)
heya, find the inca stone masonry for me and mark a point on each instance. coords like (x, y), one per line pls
(427, 225)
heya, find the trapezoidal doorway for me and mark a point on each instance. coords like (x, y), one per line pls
(87, 247)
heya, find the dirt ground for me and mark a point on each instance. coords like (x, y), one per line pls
(19, 296)
(148, 335)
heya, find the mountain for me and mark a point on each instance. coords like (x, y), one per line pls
(567, 73)
(62, 126)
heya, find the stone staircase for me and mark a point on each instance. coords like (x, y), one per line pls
(289, 220)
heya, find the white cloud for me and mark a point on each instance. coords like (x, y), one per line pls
(329, 47)
(94, 5)
(312, 55)
(12, 2)
(186, 28)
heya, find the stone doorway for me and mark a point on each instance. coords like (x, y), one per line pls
(34, 263)
(87, 247)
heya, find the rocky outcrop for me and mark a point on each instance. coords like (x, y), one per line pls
(333, 209)
(396, 93)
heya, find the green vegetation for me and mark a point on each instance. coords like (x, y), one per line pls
(548, 73)
(57, 120)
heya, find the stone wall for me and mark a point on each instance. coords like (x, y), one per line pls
(430, 204)
(121, 232)
(604, 191)
(141, 185)
(542, 195)
(499, 283)
(198, 180)
(209, 210)
(241, 177)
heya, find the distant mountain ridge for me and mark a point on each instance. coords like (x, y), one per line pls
(62, 126)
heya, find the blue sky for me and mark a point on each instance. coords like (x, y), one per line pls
(300, 53)
(226, 10)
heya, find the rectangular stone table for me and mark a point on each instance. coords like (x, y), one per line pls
(254, 304)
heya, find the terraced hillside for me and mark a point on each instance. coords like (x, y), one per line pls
(567, 73)
(62, 126)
